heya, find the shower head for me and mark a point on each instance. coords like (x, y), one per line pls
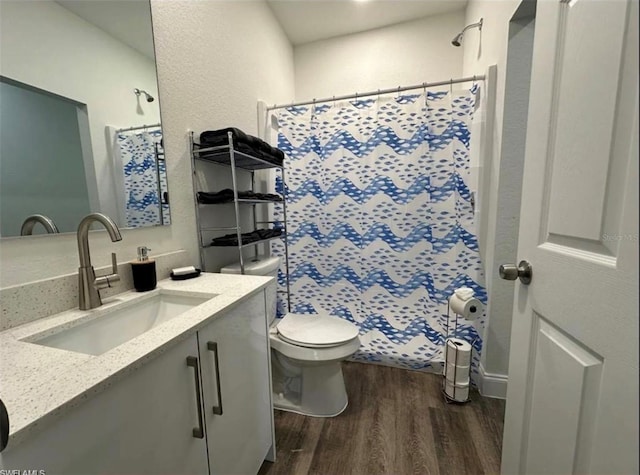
(149, 97)
(457, 41)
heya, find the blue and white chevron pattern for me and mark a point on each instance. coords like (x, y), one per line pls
(143, 202)
(380, 225)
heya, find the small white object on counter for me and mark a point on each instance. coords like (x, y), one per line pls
(183, 270)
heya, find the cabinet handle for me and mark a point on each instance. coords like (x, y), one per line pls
(213, 347)
(192, 361)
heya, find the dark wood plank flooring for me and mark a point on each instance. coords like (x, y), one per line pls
(397, 422)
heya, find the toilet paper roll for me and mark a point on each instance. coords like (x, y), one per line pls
(456, 374)
(458, 352)
(468, 309)
(457, 392)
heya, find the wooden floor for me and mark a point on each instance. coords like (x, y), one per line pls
(396, 423)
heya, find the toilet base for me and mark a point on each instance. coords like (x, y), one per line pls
(317, 390)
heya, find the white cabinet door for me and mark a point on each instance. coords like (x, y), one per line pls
(234, 352)
(142, 424)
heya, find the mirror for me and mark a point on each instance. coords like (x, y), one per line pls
(79, 116)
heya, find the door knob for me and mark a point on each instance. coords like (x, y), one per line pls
(522, 271)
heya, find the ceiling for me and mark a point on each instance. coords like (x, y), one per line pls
(127, 20)
(305, 21)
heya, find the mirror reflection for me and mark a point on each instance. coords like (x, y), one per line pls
(79, 116)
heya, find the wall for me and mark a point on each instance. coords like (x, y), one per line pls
(50, 48)
(498, 237)
(215, 60)
(399, 55)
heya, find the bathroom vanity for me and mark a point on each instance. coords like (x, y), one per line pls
(190, 394)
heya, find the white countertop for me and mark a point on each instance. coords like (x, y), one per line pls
(40, 383)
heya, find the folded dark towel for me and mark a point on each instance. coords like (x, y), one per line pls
(215, 138)
(246, 238)
(226, 196)
(244, 143)
(269, 233)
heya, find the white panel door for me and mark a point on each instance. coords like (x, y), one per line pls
(572, 400)
(234, 351)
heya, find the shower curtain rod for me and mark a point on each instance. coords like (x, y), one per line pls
(379, 91)
(127, 129)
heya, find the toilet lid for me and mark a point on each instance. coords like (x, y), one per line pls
(313, 330)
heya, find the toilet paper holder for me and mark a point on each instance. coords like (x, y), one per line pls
(450, 381)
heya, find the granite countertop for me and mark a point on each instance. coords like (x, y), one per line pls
(38, 384)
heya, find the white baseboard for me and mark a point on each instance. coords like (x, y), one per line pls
(492, 385)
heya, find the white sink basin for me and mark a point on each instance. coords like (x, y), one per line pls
(121, 324)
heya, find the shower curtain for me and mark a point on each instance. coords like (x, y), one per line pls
(380, 220)
(144, 180)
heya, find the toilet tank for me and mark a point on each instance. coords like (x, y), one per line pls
(259, 265)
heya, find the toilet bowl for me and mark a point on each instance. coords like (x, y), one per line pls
(306, 354)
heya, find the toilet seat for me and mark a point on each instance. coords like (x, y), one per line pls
(316, 331)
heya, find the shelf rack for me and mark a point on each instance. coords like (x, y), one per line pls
(228, 156)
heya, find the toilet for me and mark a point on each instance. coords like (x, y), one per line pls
(306, 353)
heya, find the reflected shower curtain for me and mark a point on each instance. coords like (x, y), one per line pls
(380, 220)
(145, 178)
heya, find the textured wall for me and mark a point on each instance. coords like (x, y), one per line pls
(399, 55)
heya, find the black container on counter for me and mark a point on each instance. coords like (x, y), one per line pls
(144, 271)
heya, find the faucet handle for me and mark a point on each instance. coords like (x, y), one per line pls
(104, 281)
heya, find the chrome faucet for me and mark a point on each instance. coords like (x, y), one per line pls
(88, 284)
(31, 221)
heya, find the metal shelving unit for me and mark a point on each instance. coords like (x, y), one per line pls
(228, 156)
